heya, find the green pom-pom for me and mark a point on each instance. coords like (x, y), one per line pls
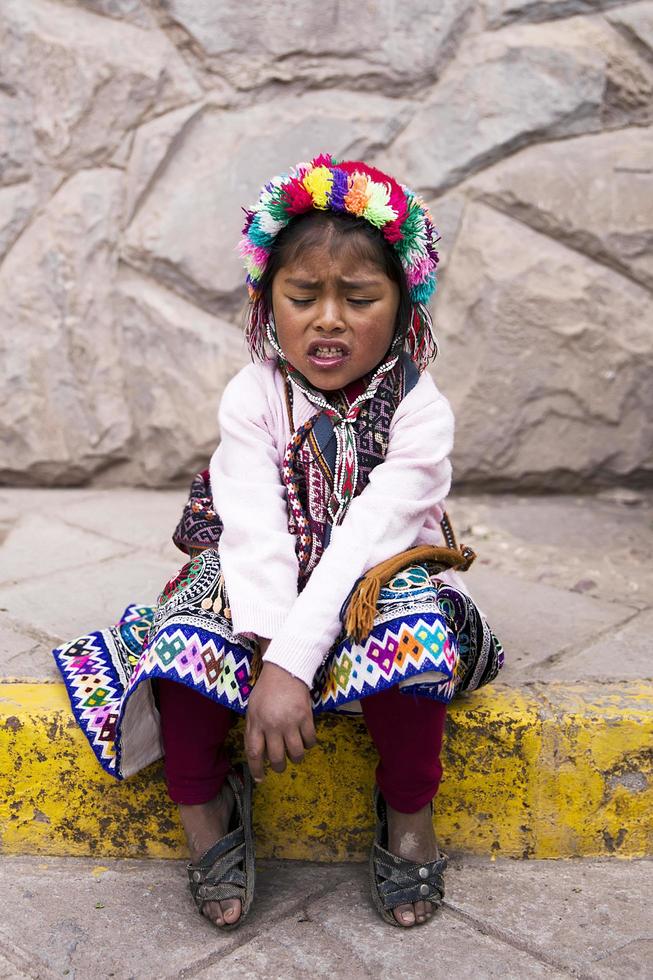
(414, 232)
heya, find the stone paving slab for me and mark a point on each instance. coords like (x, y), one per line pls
(579, 913)
(448, 947)
(26, 660)
(89, 596)
(142, 519)
(503, 919)
(626, 652)
(16, 642)
(41, 545)
(541, 626)
(598, 545)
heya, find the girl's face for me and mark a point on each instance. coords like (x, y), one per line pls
(335, 315)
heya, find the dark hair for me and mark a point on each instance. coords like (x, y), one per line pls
(362, 240)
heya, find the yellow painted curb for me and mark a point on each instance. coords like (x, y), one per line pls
(552, 771)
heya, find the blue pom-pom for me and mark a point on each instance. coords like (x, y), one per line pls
(338, 190)
(256, 234)
(422, 292)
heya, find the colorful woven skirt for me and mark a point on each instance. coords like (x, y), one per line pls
(427, 636)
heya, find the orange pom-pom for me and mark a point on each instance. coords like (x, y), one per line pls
(357, 197)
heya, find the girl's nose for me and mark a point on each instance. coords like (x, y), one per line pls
(329, 316)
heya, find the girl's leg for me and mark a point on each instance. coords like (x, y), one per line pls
(407, 731)
(193, 731)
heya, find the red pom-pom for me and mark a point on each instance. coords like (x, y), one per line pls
(297, 198)
(392, 231)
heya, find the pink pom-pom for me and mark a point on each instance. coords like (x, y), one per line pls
(323, 160)
(260, 255)
(419, 271)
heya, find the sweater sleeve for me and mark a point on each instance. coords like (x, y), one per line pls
(382, 521)
(257, 552)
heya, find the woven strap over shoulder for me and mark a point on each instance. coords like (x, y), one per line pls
(362, 604)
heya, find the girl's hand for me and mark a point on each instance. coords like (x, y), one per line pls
(279, 721)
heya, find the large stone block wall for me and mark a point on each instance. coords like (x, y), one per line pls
(131, 132)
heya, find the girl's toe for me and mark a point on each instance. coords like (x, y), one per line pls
(231, 911)
(405, 915)
(213, 912)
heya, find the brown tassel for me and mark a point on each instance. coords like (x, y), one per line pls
(362, 605)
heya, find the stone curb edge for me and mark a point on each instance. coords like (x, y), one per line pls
(547, 771)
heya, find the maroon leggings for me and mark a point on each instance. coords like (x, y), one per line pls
(406, 730)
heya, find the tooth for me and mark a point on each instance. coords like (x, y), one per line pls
(328, 351)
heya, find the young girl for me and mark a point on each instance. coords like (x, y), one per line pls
(300, 595)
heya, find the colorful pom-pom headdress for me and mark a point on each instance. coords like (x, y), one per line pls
(349, 187)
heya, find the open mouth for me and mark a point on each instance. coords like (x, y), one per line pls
(324, 353)
(327, 354)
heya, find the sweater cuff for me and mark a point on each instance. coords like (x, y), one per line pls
(299, 658)
(256, 617)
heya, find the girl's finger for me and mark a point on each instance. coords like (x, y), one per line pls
(276, 751)
(307, 730)
(255, 752)
(294, 746)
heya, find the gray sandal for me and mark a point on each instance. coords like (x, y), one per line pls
(227, 870)
(396, 881)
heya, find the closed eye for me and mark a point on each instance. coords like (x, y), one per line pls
(351, 300)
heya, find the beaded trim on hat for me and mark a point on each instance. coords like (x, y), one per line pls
(354, 188)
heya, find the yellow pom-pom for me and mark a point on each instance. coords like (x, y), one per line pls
(318, 184)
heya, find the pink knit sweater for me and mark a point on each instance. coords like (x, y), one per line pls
(401, 506)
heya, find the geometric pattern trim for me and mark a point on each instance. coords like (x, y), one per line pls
(420, 627)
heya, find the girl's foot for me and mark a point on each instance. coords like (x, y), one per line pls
(411, 836)
(205, 824)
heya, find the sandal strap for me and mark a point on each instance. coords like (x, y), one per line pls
(402, 882)
(233, 839)
(221, 872)
(223, 879)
